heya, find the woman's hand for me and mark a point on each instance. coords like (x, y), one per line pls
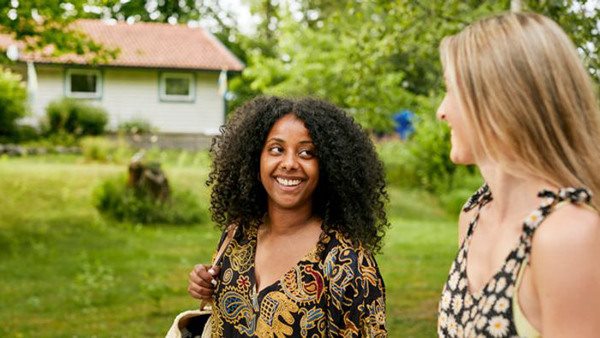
(202, 281)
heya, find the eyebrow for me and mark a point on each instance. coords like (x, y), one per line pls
(276, 139)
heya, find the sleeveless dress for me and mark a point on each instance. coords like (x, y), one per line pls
(490, 312)
(335, 290)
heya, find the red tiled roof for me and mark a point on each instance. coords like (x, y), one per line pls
(148, 45)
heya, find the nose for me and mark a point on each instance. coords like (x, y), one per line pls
(289, 161)
(441, 111)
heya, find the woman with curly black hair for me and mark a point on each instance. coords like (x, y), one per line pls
(302, 184)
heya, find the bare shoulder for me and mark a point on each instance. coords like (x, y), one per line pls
(570, 227)
(565, 271)
(567, 241)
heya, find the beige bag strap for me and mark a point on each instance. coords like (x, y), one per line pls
(230, 234)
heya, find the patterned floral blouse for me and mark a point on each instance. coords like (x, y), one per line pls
(335, 290)
(490, 311)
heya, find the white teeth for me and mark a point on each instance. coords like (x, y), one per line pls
(288, 183)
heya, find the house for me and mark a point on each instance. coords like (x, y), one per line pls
(167, 75)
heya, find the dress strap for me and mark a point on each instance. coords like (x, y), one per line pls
(480, 198)
(578, 196)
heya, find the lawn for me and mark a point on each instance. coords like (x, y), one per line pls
(67, 272)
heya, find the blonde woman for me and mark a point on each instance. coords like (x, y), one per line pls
(522, 108)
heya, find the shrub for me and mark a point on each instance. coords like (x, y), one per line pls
(423, 162)
(75, 117)
(114, 199)
(13, 104)
(135, 127)
(102, 149)
(27, 133)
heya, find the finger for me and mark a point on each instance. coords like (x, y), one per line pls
(214, 270)
(196, 280)
(203, 274)
(204, 284)
(200, 294)
(196, 290)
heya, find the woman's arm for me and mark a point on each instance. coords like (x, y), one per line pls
(566, 272)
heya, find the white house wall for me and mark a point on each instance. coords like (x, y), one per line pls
(49, 88)
(129, 94)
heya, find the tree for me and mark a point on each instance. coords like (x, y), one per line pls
(13, 99)
(43, 25)
(375, 57)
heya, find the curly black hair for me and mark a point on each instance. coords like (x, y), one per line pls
(350, 195)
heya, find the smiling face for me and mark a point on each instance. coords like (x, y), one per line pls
(460, 137)
(289, 169)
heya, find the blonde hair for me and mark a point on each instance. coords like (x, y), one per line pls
(528, 99)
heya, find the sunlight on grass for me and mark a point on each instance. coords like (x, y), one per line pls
(66, 271)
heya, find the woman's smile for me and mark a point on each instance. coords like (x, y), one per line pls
(289, 168)
(288, 182)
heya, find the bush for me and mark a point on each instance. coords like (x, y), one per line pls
(26, 133)
(13, 104)
(114, 199)
(102, 149)
(423, 162)
(75, 117)
(135, 127)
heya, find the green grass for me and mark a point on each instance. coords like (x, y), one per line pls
(68, 272)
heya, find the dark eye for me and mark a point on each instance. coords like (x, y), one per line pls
(306, 154)
(276, 150)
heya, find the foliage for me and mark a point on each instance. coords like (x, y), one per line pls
(423, 162)
(44, 26)
(372, 58)
(135, 127)
(114, 198)
(62, 235)
(103, 149)
(27, 133)
(13, 105)
(580, 20)
(377, 57)
(75, 117)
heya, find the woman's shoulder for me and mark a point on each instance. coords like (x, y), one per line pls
(340, 249)
(564, 254)
(568, 239)
(569, 226)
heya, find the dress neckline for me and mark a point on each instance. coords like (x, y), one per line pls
(484, 196)
(315, 251)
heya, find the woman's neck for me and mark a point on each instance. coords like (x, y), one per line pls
(280, 221)
(514, 196)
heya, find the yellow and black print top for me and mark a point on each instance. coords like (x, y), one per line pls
(335, 290)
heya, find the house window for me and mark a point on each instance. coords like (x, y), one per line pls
(84, 83)
(177, 87)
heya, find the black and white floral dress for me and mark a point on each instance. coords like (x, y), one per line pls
(489, 312)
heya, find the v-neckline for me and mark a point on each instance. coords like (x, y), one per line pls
(477, 294)
(315, 250)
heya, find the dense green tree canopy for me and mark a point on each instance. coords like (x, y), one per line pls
(376, 57)
(371, 57)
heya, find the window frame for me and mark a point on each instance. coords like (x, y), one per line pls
(162, 87)
(84, 95)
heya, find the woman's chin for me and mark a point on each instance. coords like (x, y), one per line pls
(460, 158)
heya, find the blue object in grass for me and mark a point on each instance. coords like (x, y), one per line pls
(404, 123)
